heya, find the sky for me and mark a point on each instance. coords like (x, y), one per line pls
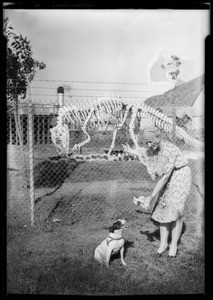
(119, 46)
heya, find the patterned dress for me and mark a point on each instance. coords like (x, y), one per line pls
(172, 198)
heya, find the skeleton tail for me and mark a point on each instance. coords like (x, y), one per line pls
(165, 123)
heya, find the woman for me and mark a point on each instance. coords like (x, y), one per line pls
(165, 160)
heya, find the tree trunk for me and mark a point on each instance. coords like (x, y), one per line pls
(20, 137)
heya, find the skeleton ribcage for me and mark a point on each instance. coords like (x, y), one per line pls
(109, 112)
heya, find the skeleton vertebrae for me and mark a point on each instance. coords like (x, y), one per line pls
(166, 124)
(111, 111)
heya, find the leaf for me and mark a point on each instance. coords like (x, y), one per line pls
(20, 62)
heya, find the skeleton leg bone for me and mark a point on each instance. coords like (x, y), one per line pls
(131, 131)
(119, 126)
(83, 128)
(132, 126)
(60, 138)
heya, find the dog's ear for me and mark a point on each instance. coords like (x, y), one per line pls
(116, 226)
(112, 228)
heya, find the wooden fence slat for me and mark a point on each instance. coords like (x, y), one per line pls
(48, 130)
(38, 131)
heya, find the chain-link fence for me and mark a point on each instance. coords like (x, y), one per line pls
(71, 169)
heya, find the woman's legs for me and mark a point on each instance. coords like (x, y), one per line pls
(176, 232)
(164, 233)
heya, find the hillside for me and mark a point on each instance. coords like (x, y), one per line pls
(184, 95)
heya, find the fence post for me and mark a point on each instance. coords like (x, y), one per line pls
(31, 181)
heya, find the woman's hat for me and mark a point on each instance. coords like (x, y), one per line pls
(151, 133)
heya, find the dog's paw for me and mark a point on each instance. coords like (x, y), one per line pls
(124, 264)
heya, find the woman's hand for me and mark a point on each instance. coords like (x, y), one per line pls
(144, 202)
(148, 201)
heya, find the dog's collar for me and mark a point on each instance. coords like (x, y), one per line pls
(112, 239)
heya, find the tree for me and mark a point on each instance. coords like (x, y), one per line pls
(21, 69)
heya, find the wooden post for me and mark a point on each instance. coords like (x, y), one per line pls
(48, 130)
(38, 130)
(31, 181)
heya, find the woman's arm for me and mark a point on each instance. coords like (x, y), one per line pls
(136, 151)
(162, 181)
(160, 184)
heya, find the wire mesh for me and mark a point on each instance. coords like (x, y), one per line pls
(86, 185)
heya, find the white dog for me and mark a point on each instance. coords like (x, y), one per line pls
(112, 244)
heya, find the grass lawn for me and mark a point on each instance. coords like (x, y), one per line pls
(56, 258)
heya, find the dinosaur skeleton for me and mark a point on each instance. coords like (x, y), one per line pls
(106, 111)
(110, 111)
(113, 111)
